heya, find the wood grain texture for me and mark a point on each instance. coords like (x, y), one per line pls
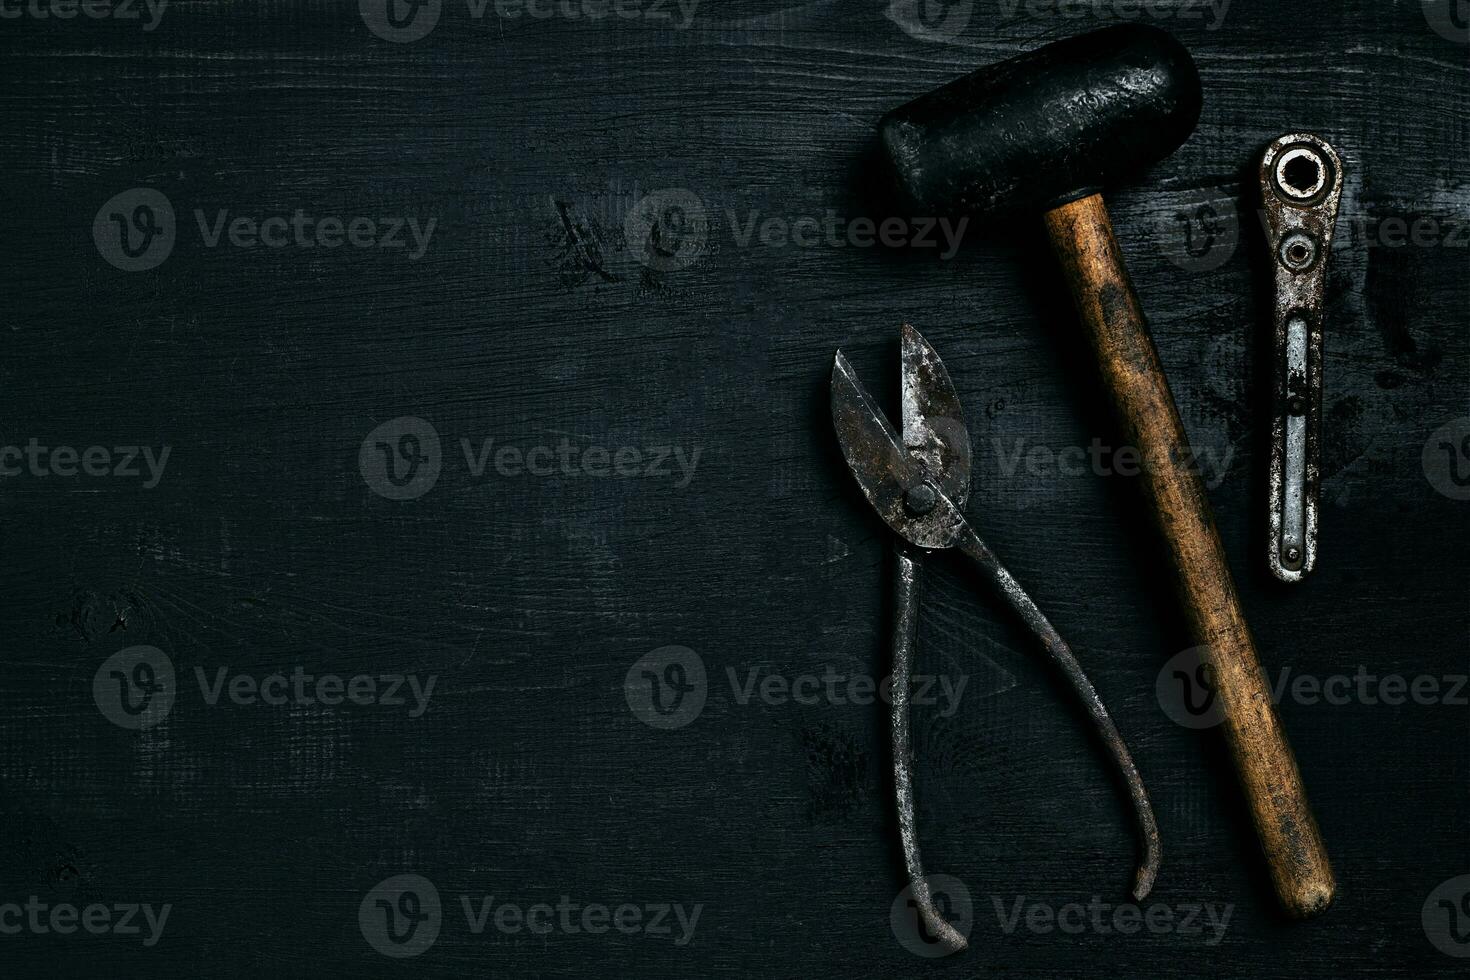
(530, 319)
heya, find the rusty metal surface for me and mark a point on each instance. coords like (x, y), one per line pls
(884, 469)
(934, 433)
(917, 484)
(1301, 181)
(907, 589)
(932, 420)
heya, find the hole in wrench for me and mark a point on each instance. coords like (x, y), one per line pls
(1298, 251)
(1300, 174)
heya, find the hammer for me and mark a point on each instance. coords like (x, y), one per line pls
(1045, 131)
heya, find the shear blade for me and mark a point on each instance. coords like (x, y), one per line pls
(933, 423)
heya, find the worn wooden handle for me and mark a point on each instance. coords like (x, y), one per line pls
(1082, 237)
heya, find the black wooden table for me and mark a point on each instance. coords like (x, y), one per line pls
(379, 502)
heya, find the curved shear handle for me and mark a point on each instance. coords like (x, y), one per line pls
(907, 586)
(1061, 656)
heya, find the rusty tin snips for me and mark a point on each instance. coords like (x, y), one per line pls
(918, 482)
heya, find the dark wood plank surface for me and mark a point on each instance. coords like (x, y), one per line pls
(530, 320)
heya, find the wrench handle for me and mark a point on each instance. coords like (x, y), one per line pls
(1082, 237)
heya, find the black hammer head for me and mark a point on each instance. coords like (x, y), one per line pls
(1046, 127)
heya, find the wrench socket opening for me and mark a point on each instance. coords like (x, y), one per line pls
(1301, 175)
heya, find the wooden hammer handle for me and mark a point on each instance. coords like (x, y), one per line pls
(1082, 237)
